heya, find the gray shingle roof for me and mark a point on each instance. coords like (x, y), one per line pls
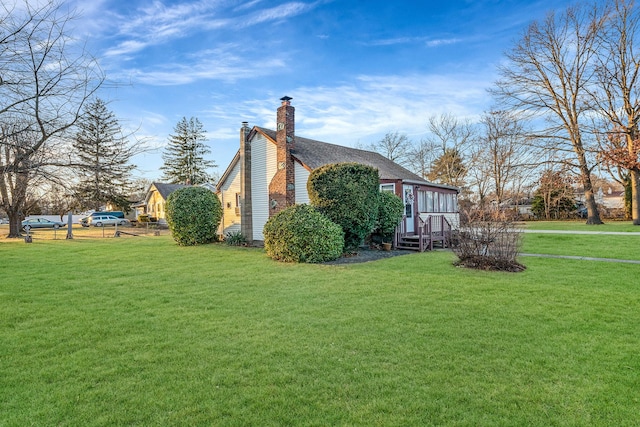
(315, 154)
(166, 189)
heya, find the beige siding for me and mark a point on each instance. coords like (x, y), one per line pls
(263, 168)
(301, 176)
(230, 209)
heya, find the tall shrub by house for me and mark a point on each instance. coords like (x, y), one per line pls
(347, 193)
(302, 234)
(390, 212)
(193, 215)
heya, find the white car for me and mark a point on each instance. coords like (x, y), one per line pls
(102, 220)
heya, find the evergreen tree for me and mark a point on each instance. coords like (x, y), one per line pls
(184, 156)
(449, 169)
(103, 156)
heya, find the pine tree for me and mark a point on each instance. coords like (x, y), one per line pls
(103, 156)
(448, 169)
(184, 156)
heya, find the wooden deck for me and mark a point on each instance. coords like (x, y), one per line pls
(434, 231)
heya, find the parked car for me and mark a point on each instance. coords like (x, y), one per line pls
(102, 220)
(28, 224)
(85, 221)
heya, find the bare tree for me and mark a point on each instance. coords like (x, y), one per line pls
(394, 146)
(617, 95)
(421, 157)
(447, 145)
(547, 75)
(45, 79)
(506, 156)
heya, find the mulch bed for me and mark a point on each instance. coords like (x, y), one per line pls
(490, 264)
(366, 254)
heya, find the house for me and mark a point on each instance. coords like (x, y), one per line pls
(156, 198)
(610, 199)
(270, 172)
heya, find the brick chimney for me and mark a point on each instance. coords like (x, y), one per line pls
(246, 217)
(282, 186)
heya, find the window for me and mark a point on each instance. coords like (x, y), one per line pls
(432, 201)
(390, 188)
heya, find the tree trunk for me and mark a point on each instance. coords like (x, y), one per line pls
(593, 215)
(15, 224)
(635, 196)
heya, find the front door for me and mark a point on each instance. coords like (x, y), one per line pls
(408, 208)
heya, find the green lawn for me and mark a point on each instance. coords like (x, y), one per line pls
(617, 226)
(139, 331)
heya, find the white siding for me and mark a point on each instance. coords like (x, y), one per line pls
(453, 218)
(263, 168)
(301, 177)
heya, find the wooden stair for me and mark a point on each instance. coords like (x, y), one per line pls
(435, 231)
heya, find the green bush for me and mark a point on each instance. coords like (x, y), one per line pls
(390, 212)
(347, 193)
(302, 234)
(235, 238)
(193, 215)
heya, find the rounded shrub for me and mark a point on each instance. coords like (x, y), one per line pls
(390, 212)
(302, 234)
(347, 193)
(193, 215)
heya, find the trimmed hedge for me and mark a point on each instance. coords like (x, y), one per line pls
(193, 215)
(347, 193)
(302, 234)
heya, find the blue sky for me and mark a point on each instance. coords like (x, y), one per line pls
(356, 69)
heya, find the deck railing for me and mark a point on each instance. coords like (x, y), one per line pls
(431, 229)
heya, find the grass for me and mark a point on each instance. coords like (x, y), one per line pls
(580, 225)
(599, 246)
(139, 331)
(617, 246)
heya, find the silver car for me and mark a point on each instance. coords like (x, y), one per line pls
(28, 224)
(102, 220)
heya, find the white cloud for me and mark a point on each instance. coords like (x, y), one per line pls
(158, 23)
(283, 11)
(125, 48)
(224, 64)
(442, 42)
(428, 41)
(373, 105)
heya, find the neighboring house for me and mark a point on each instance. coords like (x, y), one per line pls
(271, 169)
(156, 199)
(610, 199)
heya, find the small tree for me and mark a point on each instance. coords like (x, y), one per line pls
(184, 156)
(193, 215)
(347, 193)
(302, 234)
(488, 240)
